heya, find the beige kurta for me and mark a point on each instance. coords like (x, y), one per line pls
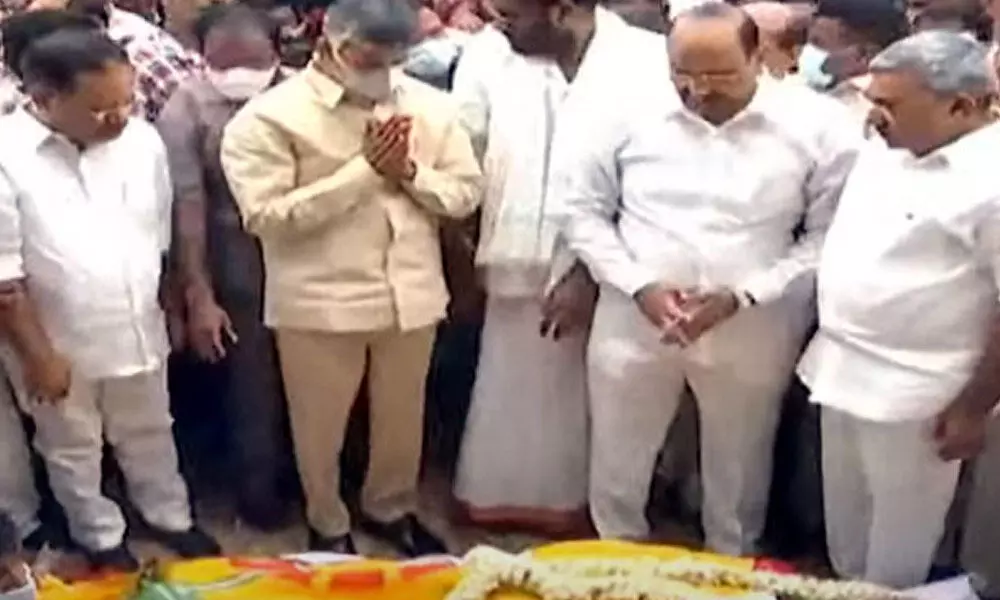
(354, 281)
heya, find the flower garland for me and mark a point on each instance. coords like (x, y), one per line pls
(487, 570)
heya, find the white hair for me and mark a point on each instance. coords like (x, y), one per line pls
(947, 62)
(387, 22)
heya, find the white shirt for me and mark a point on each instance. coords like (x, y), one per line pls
(520, 111)
(712, 206)
(908, 281)
(87, 230)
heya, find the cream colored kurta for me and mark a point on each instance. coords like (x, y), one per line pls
(345, 250)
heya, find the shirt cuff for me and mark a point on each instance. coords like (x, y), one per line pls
(11, 267)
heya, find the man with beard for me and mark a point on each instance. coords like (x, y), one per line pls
(554, 65)
(703, 223)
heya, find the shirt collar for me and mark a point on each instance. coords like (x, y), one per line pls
(330, 92)
(971, 149)
(30, 132)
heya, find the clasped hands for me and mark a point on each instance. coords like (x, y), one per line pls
(684, 315)
(386, 147)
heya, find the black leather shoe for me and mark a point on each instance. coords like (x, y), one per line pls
(267, 516)
(407, 535)
(36, 540)
(193, 543)
(341, 544)
(117, 559)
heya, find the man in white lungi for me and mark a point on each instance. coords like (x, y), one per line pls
(526, 87)
(84, 223)
(906, 364)
(689, 221)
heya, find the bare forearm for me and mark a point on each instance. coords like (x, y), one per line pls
(192, 253)
(22, 325)
(982, 393)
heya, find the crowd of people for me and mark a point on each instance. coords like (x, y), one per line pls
(766, 234)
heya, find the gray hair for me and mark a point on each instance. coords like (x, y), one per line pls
(949, 63)
(384, 22)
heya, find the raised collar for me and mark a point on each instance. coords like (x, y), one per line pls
(330, 92)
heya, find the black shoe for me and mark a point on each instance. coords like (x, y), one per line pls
(266, 516)
(36, 540)
(407, 535)
(341, 544)
(193, 543)
(117, 559)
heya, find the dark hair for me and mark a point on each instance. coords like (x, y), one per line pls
(969, 15)
(377, 21)
(879, 22)
(95, 9)
(235, 18)
(748, 32)
(57, 60)
(19, 31)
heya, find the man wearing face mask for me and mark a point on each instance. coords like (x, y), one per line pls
(906, 363)
(221, 268)
(344, 172)
(843, 36)
(688, 217)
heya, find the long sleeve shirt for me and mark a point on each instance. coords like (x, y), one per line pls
(667, 197)
(344, 249)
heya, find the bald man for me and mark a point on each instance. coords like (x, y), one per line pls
(687, 213)
(784, 30)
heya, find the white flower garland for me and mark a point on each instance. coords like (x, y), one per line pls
(487, 570)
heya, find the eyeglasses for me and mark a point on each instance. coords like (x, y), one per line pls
(118, 113)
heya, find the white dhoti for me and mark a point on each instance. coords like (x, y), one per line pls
(886, 496)
(738, 374)
(525, 448)
(133, 413)
(980, 551)
(18, 495)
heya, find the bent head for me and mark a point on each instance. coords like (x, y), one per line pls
(81, 84)
(543, 28)
(930, 89)
(364, 39)
(241, 46)
(715, 60)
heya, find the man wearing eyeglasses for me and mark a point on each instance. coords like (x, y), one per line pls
(688, 217)
(84, 224)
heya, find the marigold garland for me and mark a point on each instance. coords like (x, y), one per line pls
(487, 571)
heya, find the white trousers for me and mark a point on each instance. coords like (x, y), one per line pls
(18, 495)
(980, 551)
(738, 373)
(133, 413)
(886, 496)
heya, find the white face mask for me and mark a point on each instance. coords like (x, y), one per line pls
(241, 83)
(371, 84)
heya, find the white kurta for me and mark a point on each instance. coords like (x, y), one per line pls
(524, 454)
(671, 198)
(87, 228)
(908, 285)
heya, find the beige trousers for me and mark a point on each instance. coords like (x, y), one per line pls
(322, 373)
